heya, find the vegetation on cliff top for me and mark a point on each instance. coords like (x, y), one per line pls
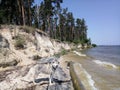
(48, 16)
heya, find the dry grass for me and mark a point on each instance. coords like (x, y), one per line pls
(27, 29)
(20, 42)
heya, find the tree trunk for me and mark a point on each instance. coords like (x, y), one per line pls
(59, 28)
(19, 12)
(55, 28)
(72, 33)
(29, 14)
(48, 25)
(23, 12)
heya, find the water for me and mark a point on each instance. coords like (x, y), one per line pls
(103, 67)
(109, 54)
(106, 63)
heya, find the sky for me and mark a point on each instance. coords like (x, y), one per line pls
(102, 18)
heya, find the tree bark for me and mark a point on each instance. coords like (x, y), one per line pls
(23, 12)
(29, 13)
(19, 12)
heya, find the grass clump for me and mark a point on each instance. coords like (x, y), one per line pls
(20, 42)
(36, 57)
(27, 29)
(63, 52)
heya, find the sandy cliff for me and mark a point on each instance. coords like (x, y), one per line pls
(26, 61)
(35, 44)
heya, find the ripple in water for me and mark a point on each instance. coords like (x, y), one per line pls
(106, 64)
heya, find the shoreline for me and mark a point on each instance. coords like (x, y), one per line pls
(80, 70)
(75, 70)
(100, 73)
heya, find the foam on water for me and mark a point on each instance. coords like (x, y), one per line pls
(106, 64)
(90, 81)
(79, 54)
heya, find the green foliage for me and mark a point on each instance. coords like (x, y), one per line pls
(76, 41)
(48, 16)
(11, 11)
(94, 45)
(84, 41)
(27, 29)
(63, 52)
(20, 42)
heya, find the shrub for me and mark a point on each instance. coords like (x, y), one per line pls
(0, 26)
(27, 29)
(94, 45)
(36, 57)
(20, 42)
(63, 52)
(76, 41)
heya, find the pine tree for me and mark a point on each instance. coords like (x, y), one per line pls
(48, 16)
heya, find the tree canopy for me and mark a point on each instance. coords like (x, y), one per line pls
(48, 16)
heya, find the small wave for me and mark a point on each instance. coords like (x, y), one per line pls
(106, 64)
(89, 79)
(79, 54)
